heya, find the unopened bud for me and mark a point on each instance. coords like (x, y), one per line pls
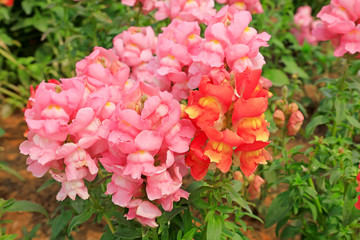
(295, 121)
(279, 118)
(58, 89)
(341, 150)
(284, 92)
(254, 187)
(291, 108)
(238, 176)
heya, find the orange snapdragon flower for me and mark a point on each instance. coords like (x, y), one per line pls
(219, 148)
(8, 3)
(207, 105)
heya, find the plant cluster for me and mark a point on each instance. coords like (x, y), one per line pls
(173, 87)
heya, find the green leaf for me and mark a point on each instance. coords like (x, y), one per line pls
(197, 199)
(8, 237)
(280, 224)
(195, 185)
(32, 233)
(60, 222)
(26, 206)
(179, 235)
(335, 176)
(340, 107)
(289, 232)
(279, 208)
(24, 78)
(277, 77)
(292, 67)
(349, 212)
(316, 121)
(190, 234)
(2, 132)
(235, 196)
(102, 17)
(295, 149)
(79, 219)
(167, 216)
(214, 228)
(312, 209)
(46, 184)
(129, 233)
(350, 119)
(320, 183)
(27, 6)
(107, 235)
(4, 167)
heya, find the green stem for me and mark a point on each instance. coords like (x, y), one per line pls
(346, 187)
(317, 202)
(341, 87)
(144, 234)
(154, 233)
(333, 133)
(283, 144)
(109, 223)
(138, 14)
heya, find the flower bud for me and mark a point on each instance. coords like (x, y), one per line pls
(254, 187)
(279, 118)
(238, 176)
(284, 92)
(291, 108)
(295, 121)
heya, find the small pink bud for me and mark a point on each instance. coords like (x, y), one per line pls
(295, 122)
(279, 118)
(293, 107)
(238, 176)
(254, 187)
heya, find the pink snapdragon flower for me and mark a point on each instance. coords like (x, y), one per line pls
(146, 5)
(103, 67)
(340, 24)
(123, 188)
(79, 163)
(229, 39)
(135, 46)
(147, 143)
(144, 212)
(40, 148)
(304, 23)
(253, 6)
(54, 105)
(176, 46)
(70, 188)
(193, 10)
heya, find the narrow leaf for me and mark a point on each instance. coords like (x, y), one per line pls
(277, 77)
(79, 219)
(214, 228)
(279, 208)
(316, 121)
(353, 121)
(26, 206)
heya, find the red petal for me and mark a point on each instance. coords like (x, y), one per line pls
(246, 82)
